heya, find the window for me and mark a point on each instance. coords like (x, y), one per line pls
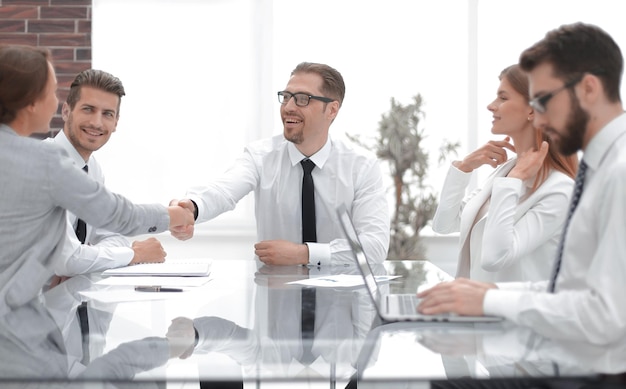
(179, 59)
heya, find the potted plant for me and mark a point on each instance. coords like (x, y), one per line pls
(399, 143)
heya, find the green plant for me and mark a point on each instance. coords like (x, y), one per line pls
(400, 144)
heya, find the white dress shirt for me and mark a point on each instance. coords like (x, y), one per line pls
(507, 231)
(589, 300)
(344, 174)
(102, 249)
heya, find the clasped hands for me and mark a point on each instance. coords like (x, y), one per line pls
(182, 223)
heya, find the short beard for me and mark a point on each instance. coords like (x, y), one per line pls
(295, 138)
(576, 127)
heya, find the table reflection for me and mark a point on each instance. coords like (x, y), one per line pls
(248, 323)
(273, 347)
(458, 355)
(43, 341)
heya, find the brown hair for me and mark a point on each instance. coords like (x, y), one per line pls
(575, 49)
(23, 78)
(96, 79)
(332, 81)
(554, 160)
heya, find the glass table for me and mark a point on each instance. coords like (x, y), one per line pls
(242, 327)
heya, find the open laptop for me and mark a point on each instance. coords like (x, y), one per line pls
(394, 307)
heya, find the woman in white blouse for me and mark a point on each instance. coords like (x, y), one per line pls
(510, 227)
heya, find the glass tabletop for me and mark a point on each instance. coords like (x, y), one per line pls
(253, 324)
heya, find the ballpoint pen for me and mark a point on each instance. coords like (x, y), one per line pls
(156, 288)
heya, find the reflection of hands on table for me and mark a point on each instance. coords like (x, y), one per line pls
(182, 337)
(448, 343)
(278, 277)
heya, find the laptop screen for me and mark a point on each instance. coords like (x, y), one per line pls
(357, 249)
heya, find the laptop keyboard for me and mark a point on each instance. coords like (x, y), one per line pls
(406, 304)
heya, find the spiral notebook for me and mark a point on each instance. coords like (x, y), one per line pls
(169, 268)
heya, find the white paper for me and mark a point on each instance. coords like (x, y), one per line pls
(169, 268)
(160, 281)
(118, 294)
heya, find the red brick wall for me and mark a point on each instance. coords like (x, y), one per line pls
(63, 26)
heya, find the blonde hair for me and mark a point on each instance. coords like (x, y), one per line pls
(554, 160)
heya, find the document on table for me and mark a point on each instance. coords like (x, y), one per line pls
(169, 268)
(160, 281)
(339, 280)
(120, 289)
(118, 294)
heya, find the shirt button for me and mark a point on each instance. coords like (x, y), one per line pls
(152, 229)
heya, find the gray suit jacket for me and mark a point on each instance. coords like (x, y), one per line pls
(38, 183)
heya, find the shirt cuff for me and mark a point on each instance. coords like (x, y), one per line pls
(319, 253)
(195, 210)
(121, 255)
(504, 303)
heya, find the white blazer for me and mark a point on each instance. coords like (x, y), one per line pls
(517, 238)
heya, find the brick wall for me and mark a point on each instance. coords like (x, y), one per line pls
(63, 26)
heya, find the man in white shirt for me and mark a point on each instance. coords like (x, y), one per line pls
(575, 76)
(343, 174)
(91, 113)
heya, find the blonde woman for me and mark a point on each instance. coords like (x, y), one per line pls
(510, 227)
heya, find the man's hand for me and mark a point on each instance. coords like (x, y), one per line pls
(181, 336)
(282, 252)
(149, 250)
(529, 162)
(493, 154)
(461, 296)
(183, 231)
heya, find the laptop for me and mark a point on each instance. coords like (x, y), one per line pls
(394, 307)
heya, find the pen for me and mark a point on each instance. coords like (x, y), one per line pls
(156, 289)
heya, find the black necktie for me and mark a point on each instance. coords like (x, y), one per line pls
(578, 190)
(81, 227)
(81, 311)
(83, 321)
(309, 234)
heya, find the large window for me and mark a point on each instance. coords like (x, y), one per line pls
(202, 75)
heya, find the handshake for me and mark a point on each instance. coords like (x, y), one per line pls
(181, 218)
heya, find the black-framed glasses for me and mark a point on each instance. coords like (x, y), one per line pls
(301, 99)
(539, 103)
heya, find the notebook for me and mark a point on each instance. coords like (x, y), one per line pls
(393, 307)
(171, 268)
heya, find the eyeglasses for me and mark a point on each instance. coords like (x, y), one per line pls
(301, 99)
(539, 103)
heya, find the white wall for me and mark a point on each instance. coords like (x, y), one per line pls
(202, 75)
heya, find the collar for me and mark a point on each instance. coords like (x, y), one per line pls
(600, 144)
(61, 140)
(8, 130)
(318, 158)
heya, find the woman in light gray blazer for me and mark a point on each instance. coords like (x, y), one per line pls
(40, 181)
(510, 227)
